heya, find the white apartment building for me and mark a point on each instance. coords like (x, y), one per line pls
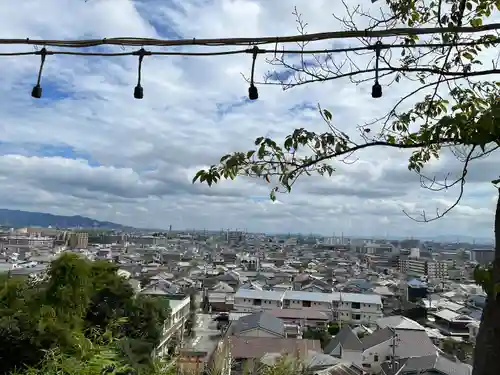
(437, 270)
(354, 308)
(249, 300)
(179, 311)
(433, 269)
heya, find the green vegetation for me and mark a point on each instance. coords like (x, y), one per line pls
(454, 110)
(333, 328)
(322, 335)
(81, 315)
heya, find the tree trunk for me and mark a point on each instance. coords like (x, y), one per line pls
(487, 350)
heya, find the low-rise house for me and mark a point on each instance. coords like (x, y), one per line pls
(345, 345)
(261, 324)
(432, 364)
(247, 350)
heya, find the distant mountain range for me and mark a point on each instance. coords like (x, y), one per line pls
(17, 219)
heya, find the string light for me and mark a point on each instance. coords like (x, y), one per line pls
(138, 90)
(36, 92)
(253, 93)
(252, 90)
(377, 88)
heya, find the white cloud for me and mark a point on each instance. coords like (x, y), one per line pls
(133, 161)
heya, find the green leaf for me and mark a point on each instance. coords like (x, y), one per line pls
(476, 22)
(272, 195)
(198, 175)
(328, 114)
(468, 56)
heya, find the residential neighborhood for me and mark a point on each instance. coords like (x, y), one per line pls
(341, 305)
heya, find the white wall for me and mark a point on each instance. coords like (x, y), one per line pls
(352, 356)
(381, 350)
(246, 305)
(369, 313)
(325, 307)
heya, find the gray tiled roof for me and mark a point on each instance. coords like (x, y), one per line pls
(260, 320)
(414, 344)
(377, 337)
(346, 338)
(424, 364)
(410, 343)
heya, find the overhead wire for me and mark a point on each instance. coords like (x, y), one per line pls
(251, 50)
(254, 50)
(129, 41)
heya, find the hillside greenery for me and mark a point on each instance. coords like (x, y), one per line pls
(72, 317)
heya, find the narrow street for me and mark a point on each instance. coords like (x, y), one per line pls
(206, 334)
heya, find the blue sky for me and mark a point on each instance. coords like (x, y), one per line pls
(87, 147)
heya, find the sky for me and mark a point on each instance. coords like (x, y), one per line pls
(89, 148)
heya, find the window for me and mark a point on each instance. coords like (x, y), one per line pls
(387, 358)
(375, 358)
(356, 316)
(257, 302)
(306, 303)
(355, 305)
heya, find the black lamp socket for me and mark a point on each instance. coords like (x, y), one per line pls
(376, 90)
(138, 92)
(253, 93)
(36, 92)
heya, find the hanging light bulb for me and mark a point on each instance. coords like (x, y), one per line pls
(36, 92)
(377, 88)
(253, 93)
(138, 90)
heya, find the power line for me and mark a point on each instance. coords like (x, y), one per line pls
(259, 51)
(255, 50)
(141, 42)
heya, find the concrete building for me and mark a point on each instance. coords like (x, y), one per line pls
(179, 312)
(433, 269)
(482, 256)
(78, 240)
(354, 308)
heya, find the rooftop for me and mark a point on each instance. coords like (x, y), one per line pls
(399, 322)
(259, 294)
(309, 296)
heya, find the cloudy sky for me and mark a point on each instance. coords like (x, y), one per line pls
(87, 147)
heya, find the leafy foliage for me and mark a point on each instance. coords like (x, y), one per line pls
(80, 305)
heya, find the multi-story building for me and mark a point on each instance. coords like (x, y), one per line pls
(482, 256)
(234, 237)
(248, 300)
(179, 312)
(78, 240)
(31, 241)
(433, 269)
(437, 270)
(346, 307)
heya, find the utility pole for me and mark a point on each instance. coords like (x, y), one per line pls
(394, 343)
(338, 313)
